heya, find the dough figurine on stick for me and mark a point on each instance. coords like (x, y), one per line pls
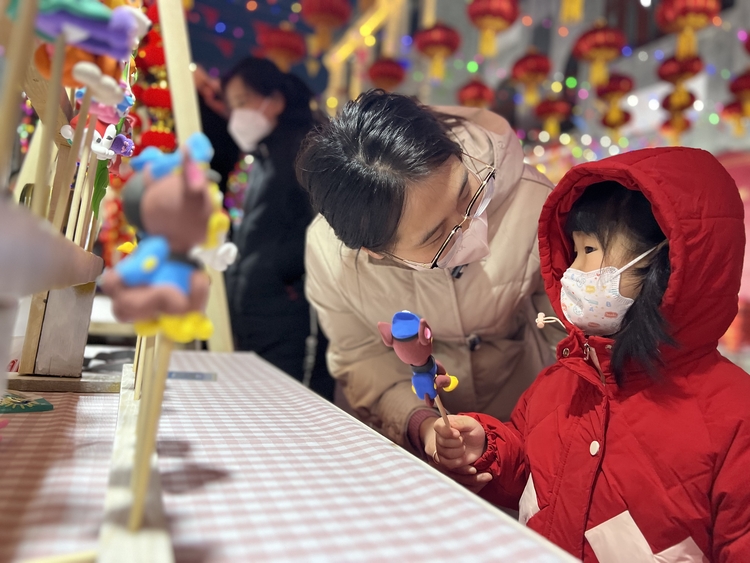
(168, 200)
(411, 339)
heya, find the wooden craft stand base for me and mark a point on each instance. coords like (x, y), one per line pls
(151, 542)
(86, 383)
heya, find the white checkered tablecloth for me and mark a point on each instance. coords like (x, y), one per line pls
(256, 468)
(54, 468)
(253, 468)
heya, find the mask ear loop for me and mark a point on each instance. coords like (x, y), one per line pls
(637, 259)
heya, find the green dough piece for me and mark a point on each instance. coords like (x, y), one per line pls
(17, 402)
(101, 181)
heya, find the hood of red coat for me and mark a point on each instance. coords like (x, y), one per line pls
(698, 207)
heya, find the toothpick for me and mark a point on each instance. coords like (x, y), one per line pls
(40, 196)
(85, 206)
(82, 557)
(70, 165)
(442, 410)
(146, 441)
(76, 201)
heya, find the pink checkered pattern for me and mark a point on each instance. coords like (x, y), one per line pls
(54, 468)
(256, 468)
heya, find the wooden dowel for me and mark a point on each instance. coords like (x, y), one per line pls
(82, 557)
(84, 210)
(17, 61)
(443, 413)
(70, 166)
(147, 442)
(75, 203)
(40, 196)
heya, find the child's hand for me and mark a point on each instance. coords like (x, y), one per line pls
(457, 448)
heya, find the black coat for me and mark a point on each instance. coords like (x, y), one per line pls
(265, 290)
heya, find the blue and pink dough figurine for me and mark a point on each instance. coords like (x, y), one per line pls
(411, 338)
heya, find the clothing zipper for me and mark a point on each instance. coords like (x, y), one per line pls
(594, 361)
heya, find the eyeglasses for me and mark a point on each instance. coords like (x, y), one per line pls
(476, 207)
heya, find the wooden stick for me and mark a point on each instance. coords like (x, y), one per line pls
(40, 197)
(442, 410)
(76, 201)
(70, 166)
(84, 210)
(82, 557)
(146, 364)
(18, 58)
(146, 442)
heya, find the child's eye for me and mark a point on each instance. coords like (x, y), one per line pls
(589, 249)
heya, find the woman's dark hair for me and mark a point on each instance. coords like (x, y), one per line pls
(606, 210)
(265, 78)
(357, 166)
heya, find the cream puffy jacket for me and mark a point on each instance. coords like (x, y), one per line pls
(496, 300)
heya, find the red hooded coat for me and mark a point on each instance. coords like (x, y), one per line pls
(656, 470)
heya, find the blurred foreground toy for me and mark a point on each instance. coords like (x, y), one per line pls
(158, 286)
(411, 339)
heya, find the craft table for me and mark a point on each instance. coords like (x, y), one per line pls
(254, 467)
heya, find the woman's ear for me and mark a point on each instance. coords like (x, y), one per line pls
(276, 104)
(371, 254)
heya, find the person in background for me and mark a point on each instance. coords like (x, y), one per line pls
(269, 116)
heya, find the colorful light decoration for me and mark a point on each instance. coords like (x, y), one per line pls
(386, 74)
(284, 46)
(475, 94)
(552, 113)
(677, 72)
(437, 43)
(530, 71)
(491, 17)
(685, 17)
(612, 93)
(599, 46)
(324, 16)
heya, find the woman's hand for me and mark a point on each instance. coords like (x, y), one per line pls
(453, 450)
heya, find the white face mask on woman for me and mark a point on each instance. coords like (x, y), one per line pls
(592, 300)
(248, 127)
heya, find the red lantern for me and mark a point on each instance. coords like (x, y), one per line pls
(679, 105)
(159, 138)
(530, 71)
(437, 43)
(685, 17)
(674, 127)
(740, 87)
(386, 74)
(552, 113)
(612, 93)
(677, 72)
(747, 44)
(325, 16)
(284, 46)
(571, 11)
(599, 46)
(476, 94)
(733, 113)
(491, 17)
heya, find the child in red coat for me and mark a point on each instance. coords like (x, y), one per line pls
(635, 446)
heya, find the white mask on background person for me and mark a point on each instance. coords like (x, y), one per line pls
(472, 247)
(592, 300)
(248, 127)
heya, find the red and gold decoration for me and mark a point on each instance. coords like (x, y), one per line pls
(552, 113)
(324, 16)
(740, 87)
(685, 17)
(612, 94)
(677, 72)
(491, 17)
(733, 114)
(476, 94)
(437, 43)
(386, 74)
(677, 123)
(531, 71)
(599, 46)
(571, 11)
(283, 45)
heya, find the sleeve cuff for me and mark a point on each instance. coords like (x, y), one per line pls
(415, 421)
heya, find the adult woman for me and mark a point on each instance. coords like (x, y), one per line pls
(445, 214)
(270, 116)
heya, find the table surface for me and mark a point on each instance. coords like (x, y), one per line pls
(253, 468)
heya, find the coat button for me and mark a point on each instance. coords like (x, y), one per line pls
(566, 352)
(594, 448)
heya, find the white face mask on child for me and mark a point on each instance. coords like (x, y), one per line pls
(592, 300)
